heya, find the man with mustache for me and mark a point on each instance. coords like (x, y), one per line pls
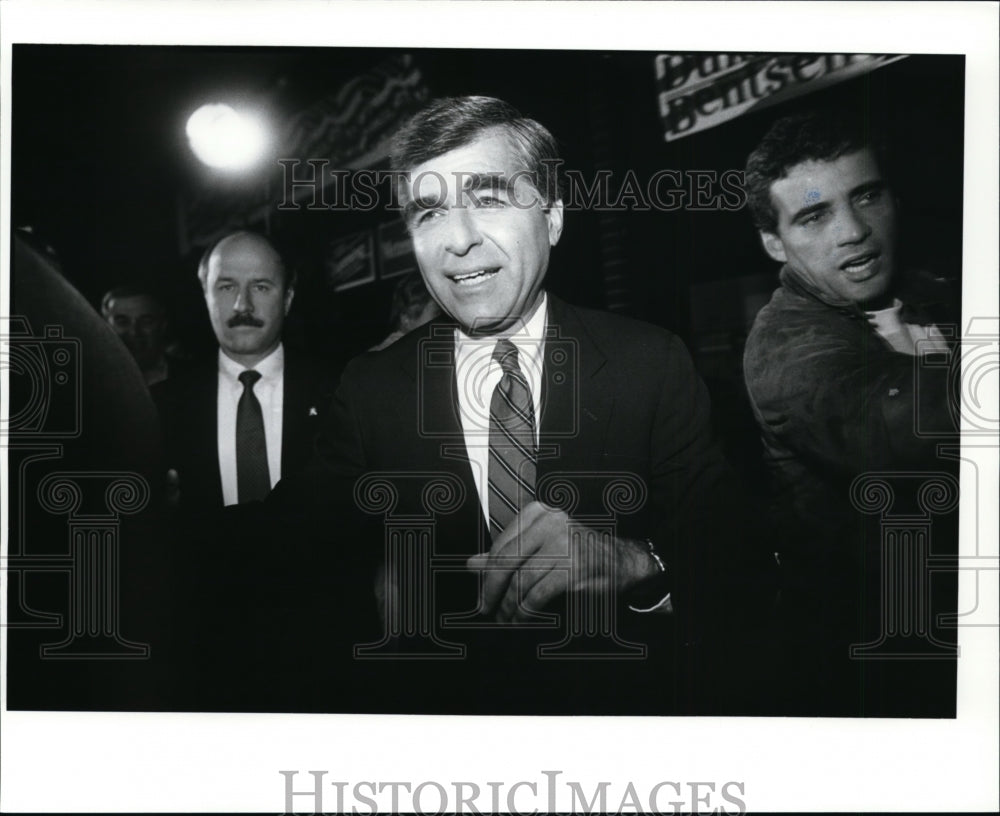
(234, 426)
(830, 371)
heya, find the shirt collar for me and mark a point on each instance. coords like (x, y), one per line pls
(527, 336)
(887, 312)
(268, 368)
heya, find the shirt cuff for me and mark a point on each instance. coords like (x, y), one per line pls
(665, 606)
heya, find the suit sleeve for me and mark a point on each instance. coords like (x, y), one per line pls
(713, 543)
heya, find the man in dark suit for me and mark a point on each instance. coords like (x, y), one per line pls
(233, 426)
(535, 486)
(212, 416)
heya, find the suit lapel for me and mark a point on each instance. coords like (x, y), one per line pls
(439, 436)
(294, 429)
(576, 403)
(205, 433)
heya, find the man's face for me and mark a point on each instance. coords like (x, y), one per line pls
(836, 226)
(138, 320)
(246, 297)
(481, 233)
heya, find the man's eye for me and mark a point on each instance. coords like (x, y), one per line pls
(224, 287)
(427, 215)
(489, 200)
(262, 287)
(870, 197)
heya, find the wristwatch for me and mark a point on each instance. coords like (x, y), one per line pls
(653, 592)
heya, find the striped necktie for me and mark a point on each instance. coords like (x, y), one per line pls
(512, 441)
(253, 478)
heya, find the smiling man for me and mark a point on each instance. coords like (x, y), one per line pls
(481, 231)
(562, 456)
(831, 374)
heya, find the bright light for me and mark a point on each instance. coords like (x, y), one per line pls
(225, 139)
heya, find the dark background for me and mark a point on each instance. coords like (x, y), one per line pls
(101, 164)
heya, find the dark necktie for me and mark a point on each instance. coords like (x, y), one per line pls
(253, 479)
(512, 441)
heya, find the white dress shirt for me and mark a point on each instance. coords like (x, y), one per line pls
(477, 375)
(270, 393)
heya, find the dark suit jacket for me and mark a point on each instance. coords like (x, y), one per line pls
(188, 403)
(227, 616)
(625, 440)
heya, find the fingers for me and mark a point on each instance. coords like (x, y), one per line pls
(518, 542)
(538, 588)
(508, 539)
(510, 551)
(533, 561)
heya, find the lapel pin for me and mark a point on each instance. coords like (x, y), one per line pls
(313, 411)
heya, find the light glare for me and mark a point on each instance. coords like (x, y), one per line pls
(222, 138)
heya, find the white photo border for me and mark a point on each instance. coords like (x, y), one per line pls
(230, 762)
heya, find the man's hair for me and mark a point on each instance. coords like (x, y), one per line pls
(288, 275)
(813, 136)
(452, 122)
(129, 291)
(409, 299)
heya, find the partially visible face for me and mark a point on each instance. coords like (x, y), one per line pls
(408, 322)
(836, 226)
(246, 297)
(481, 233)
(139, 321)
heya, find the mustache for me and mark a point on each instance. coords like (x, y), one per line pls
(244, 319)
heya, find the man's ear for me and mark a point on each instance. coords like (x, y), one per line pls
(773, 246)
(289, 295)
(554, 216)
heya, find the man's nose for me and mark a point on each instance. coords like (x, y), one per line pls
(462, 233)
(852, 228)
(243, 302)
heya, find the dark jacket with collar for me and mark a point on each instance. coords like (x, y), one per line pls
(834, 401)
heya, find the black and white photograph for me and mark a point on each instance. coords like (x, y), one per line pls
(610, 424)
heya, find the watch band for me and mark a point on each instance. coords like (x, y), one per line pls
(658, 595)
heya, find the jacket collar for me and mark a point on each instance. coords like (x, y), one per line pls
(922, 296)
(575, 403)
(798, 285)
(563, 321)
